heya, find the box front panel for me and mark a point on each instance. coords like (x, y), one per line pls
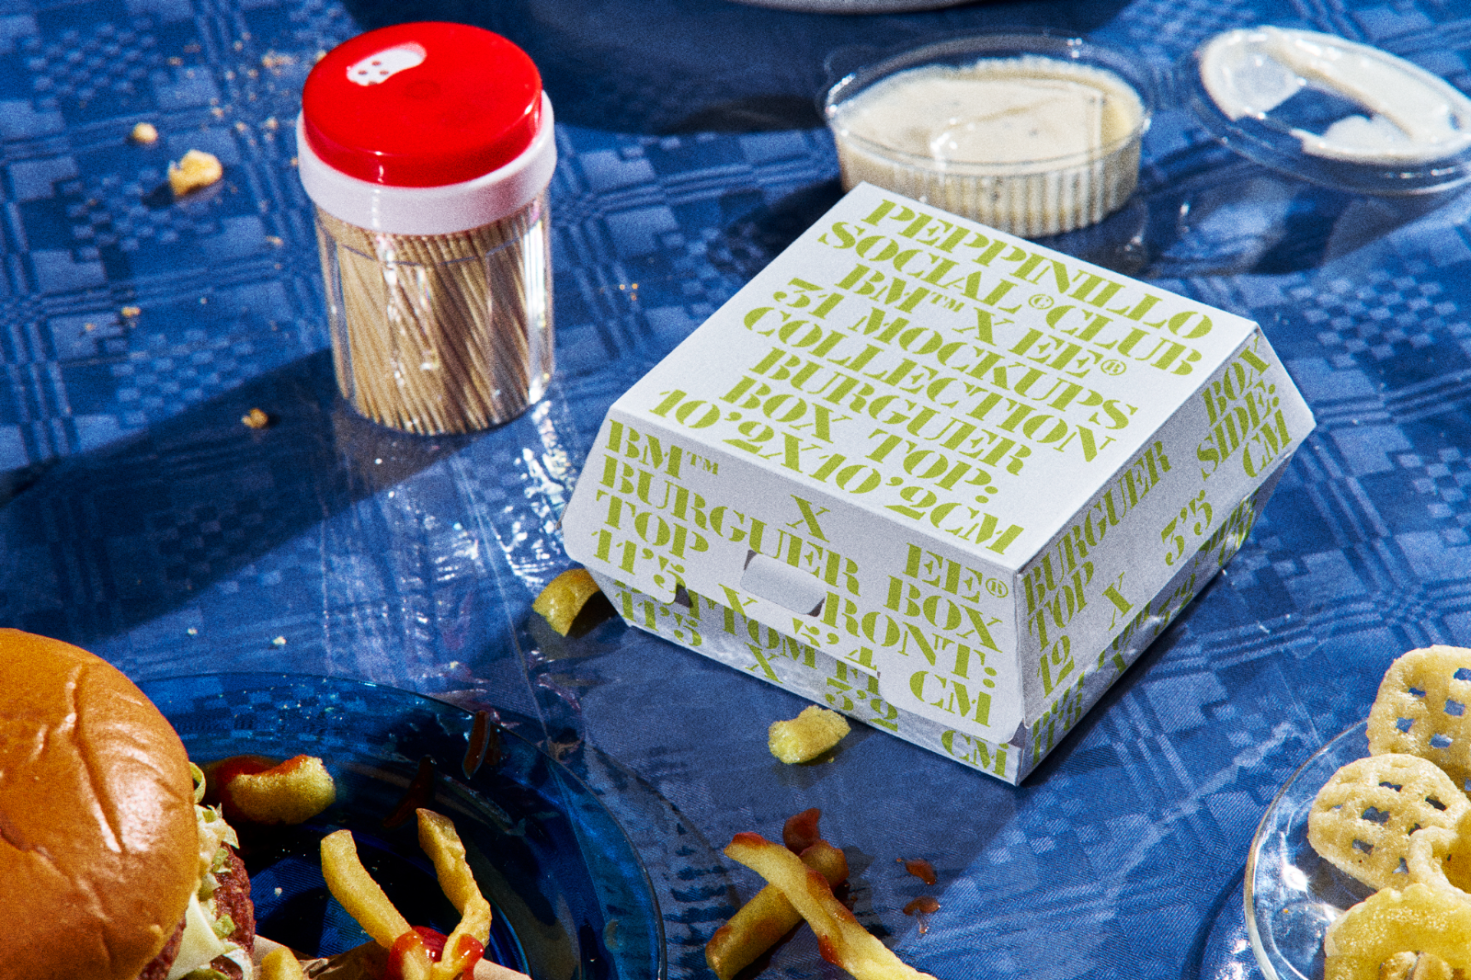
(714, 630)
(670, 517)
(711, 629)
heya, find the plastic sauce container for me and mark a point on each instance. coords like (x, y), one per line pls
(1028, 133)
(427, 149)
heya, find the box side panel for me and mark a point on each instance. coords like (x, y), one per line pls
(1091, 676)
(1218, 450)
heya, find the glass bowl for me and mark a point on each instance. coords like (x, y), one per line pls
(1291, 894)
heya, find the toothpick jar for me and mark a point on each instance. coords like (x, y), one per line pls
(427, 149)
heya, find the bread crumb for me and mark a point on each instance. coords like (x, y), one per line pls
(256, 419)
(131, 312)
(144, 134)
(195, 170)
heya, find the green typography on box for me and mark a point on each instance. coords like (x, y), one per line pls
(957, 463)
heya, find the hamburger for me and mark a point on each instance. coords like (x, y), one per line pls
(110, 869)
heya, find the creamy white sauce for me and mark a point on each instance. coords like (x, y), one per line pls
(1409, 113)
(1005, 111)
(1030, 144)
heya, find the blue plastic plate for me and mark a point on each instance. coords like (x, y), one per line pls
(572, 900)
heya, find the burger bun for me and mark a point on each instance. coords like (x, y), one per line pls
(98, 837)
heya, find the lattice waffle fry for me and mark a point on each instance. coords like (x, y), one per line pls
(1422, 709)
(1416, 966)
(1363, 816)
(1418, 919)
(1441, 858)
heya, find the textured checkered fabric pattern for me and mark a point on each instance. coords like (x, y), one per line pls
(139, 517)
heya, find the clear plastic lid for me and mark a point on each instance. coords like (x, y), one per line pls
(1330, 111)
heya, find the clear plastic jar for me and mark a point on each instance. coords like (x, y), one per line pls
(1029, 133)
(427, 149)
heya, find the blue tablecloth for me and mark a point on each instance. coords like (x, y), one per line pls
(141, 519)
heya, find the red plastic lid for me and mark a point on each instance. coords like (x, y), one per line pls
(422, 104)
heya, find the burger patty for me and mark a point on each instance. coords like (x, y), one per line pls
(158, 967)
(232, 897)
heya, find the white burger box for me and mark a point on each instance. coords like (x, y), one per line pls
(936, 477)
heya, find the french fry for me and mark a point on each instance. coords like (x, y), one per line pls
(362, 897)
(842, 940)
(438, 838)
(768, 916)
(280, 964)
(413, 957)
(194, 170)
(364, 963)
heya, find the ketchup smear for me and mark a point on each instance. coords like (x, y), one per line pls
(433, 942)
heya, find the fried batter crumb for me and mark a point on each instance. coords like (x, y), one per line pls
(195, 170)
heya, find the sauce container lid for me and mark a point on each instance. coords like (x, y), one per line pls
(422, 104)
(1330, 111)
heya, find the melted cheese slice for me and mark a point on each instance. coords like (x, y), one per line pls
(200, 945)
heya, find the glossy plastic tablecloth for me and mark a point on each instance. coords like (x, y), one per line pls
(141, 519)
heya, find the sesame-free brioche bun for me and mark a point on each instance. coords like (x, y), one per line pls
(98, 839)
